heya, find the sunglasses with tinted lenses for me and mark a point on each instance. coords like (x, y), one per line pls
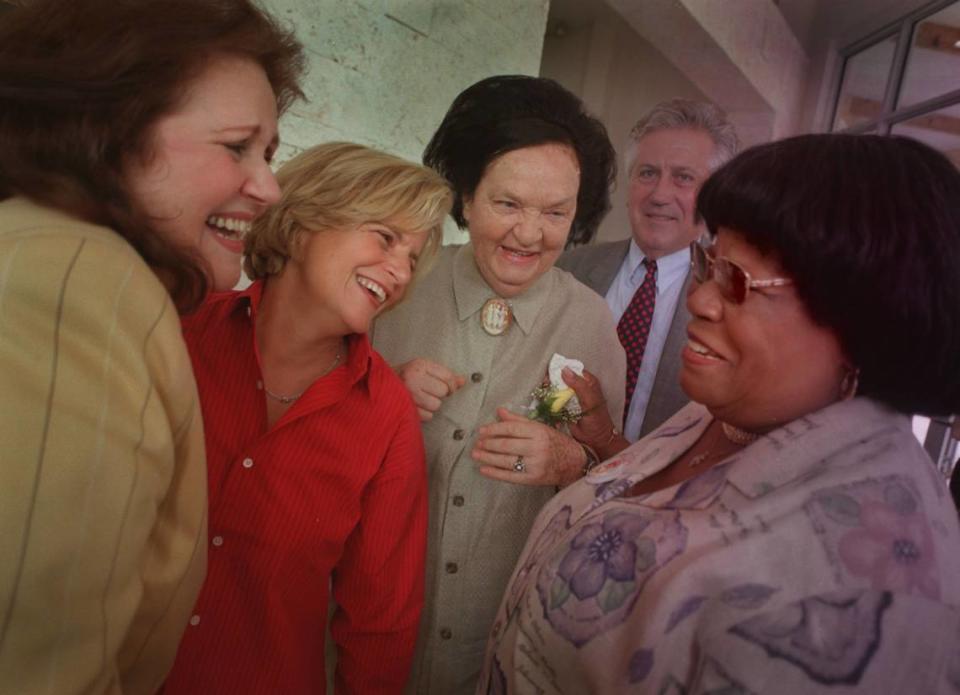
(734, 282)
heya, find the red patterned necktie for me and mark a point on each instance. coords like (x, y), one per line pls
(634, 327)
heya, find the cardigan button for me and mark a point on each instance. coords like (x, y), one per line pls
(458, 434)
(445, 633)
(248, 463)
(194, 620)
(476, 377)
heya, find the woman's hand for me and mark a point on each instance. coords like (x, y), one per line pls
(595, 428)
(549, 457)
(429, 383)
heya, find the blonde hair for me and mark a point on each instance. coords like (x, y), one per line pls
(342, 184)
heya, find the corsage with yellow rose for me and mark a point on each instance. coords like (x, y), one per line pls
(555, 404)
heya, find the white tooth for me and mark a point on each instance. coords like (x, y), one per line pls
(697, 347)
(228, 224)
(373, 287)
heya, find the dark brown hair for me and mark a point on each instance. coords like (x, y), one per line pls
(83, 82)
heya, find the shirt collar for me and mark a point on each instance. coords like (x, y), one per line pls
(669, 267)
(843, 433)
(471, 291)
(359, 351)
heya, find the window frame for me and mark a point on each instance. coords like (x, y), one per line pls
(889, 115)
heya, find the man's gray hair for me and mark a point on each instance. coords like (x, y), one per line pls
(685, 113)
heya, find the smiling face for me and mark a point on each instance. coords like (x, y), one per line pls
(210, 174)
(346, 277)
(762, 363)
(520, 215)
(671, 164)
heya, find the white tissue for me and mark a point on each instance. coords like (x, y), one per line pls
(557, 363)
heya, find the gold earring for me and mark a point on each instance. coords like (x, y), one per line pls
(849, 383)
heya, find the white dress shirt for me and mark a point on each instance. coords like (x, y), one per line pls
(671, 273)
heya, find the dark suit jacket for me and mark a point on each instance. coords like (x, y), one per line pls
(596, 267)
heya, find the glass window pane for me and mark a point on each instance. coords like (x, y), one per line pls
(939, 129)
(933, 61)
(865, 77)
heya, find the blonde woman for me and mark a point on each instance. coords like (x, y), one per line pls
(314, 449)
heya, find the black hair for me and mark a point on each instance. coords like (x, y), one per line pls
(509, 112)
(869, 228)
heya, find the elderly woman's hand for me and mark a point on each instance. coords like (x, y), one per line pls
(429, 383)
(595, 428)
(543, 455)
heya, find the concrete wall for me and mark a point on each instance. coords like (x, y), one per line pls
(619, 76)
(383, 72)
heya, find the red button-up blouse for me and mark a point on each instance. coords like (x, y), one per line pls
(335, 490)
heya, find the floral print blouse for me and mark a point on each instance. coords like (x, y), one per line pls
(824, 557)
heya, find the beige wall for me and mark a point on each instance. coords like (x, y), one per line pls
(619, 76)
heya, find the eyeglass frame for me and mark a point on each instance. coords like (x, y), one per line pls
(728, 292)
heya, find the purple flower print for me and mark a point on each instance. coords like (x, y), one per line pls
(589, 584)
(608, 550)
(641, 663)
(893, 549)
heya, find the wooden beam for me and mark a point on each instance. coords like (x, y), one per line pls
(938, 37)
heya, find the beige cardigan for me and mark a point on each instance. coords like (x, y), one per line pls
(477, 525)
(102, 471)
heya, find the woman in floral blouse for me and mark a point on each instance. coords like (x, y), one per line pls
(785, 532)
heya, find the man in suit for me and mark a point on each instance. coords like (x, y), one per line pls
(672, 150)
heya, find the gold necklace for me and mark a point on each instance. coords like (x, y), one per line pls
(737, 435)
(287, 400)
(734, 435)
(699, 458)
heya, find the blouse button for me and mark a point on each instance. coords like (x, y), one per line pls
(445, 633)
(248, 463)
(476, 377)
(452, 568)
(194, 620)
(458, 434)
(458, 500)
(217, 541)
